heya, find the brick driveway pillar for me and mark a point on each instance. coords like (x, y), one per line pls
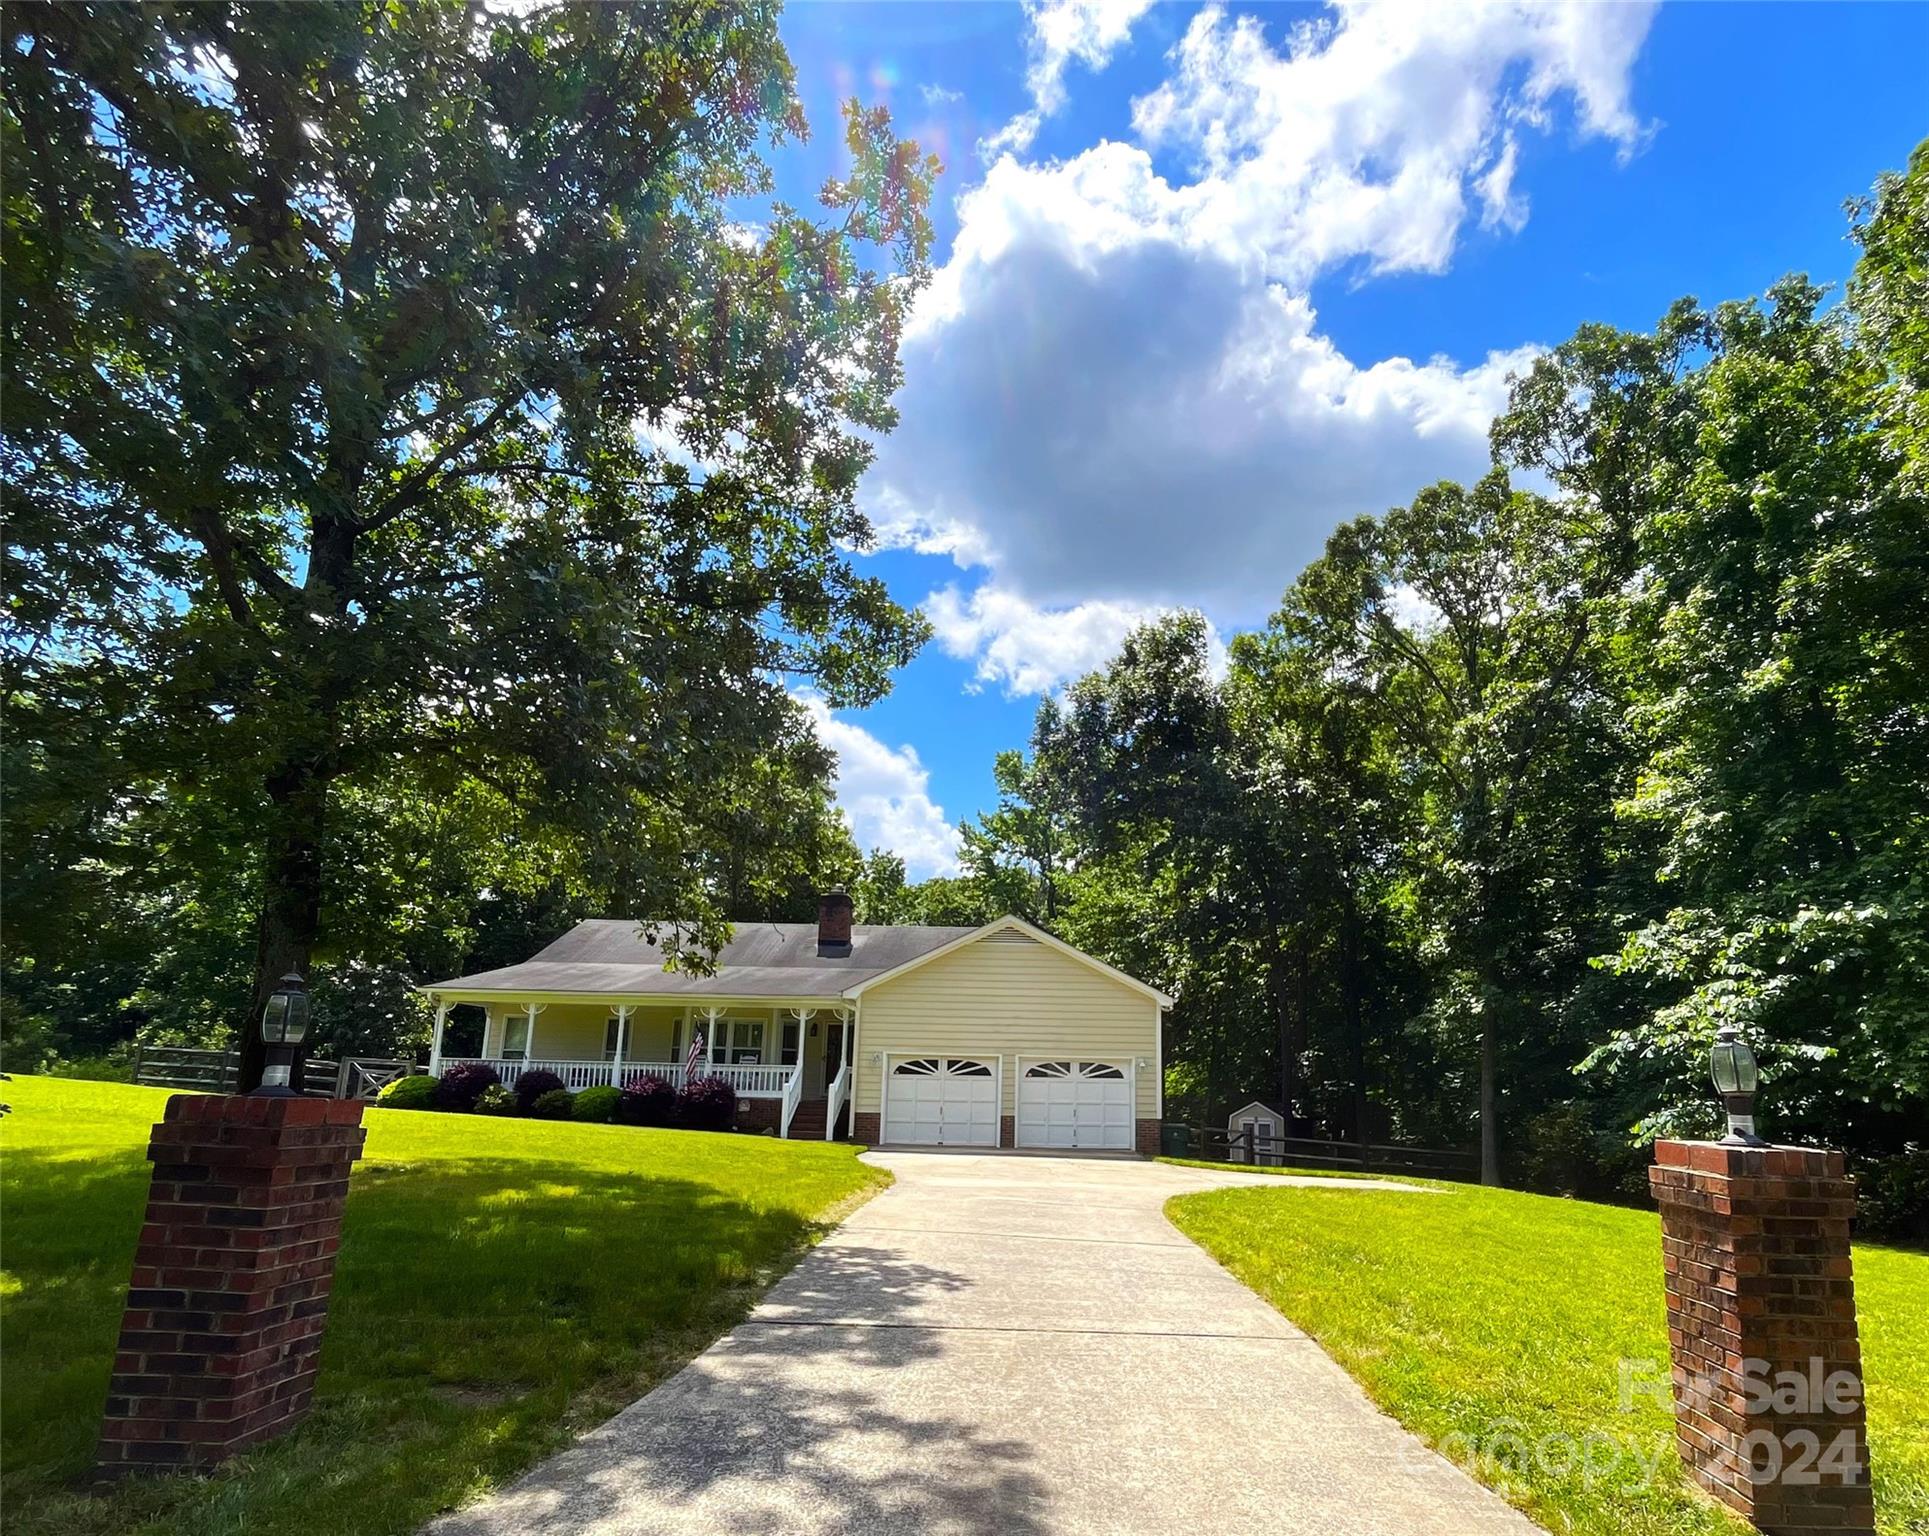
(1769, 1414)
(229, 1294)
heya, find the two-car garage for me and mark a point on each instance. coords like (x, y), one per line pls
(955, 1101)
(1007, 1036)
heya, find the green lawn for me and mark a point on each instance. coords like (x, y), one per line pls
(1297, 1173)
(1493, 1324)
(503, 1284)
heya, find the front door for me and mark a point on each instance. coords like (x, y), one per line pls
(832, 1059)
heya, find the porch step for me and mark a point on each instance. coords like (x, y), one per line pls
(808, 1123)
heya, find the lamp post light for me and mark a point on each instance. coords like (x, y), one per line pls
(284, 1025)
(1732, 1066)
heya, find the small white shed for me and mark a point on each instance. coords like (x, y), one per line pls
(1266, 1128)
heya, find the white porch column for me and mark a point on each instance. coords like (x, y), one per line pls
(435, 1040)
(847, 1018)
(710, 1018)
(804, 1016)
(529, 1044)
(623, 1012)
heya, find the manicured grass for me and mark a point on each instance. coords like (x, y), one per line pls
(1298, 1173)
(1493, 1324)
(503, 1285)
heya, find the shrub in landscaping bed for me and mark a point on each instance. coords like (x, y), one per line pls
(647, 1100)
(417, 1092)
(495, 1100)
(553, 1105)
(463, 1084)
(707, 1104)
(596, 1104)
(531, 1086)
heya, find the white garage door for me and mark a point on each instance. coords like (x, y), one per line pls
(1075, 1104)
(941, 1101)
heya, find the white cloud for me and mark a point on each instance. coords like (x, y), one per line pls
(1027, 649)
(1361, 136)
(1117, 398)
(1060, 31)
(1139, 423)
(1500, 206)
(940, 95)
(885, 794)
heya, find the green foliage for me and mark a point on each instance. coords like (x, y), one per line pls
(1490, 1319)
(425, 483)
(1522, 793)
(596, 1103)
(557, 1104)
(29, 1042)
(498, 1100)
(414, 1092)
(594, 1264)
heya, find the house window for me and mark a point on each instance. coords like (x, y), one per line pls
(616, 1033)
(787, 1052)
(676, 1040)
(746, 1042)
(515, 1037)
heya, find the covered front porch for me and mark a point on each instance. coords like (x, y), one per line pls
(794, 1057)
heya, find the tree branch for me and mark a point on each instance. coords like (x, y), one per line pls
(415, 489)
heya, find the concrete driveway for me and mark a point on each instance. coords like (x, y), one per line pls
(1012, 1344)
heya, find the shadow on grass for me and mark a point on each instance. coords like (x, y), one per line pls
(484, 1309)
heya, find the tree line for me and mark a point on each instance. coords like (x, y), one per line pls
(430, 454)
(1531, 784)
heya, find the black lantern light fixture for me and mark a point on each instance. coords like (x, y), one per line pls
(1732, 1066)
(284, 1025)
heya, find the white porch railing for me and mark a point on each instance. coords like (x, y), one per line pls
(793, 1091)
(840, 1089)
(748, 1080)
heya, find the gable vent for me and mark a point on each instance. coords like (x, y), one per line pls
(1010, 936)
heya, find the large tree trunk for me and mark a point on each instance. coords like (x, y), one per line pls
(291, 900)
(1353, 1004)
(1283, 1027)
(1489, 1095)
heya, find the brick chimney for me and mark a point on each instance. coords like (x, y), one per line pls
(834, 923)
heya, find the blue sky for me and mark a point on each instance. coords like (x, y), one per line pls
(1213, 280)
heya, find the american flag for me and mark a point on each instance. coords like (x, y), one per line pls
(696, 1055)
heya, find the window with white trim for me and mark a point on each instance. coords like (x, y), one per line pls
(515, 1037)
(616, 1034)
(746, 1042)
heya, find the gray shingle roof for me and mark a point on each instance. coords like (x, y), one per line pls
(610, 955)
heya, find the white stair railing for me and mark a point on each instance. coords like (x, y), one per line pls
(834, 1104)
(793, 1091)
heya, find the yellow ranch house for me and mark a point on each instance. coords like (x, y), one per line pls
(1000, 1036)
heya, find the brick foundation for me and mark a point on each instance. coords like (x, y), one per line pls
(232, 1274)
(758, 1114)
(1755, 1244)
(1146, 1137)
(1007, 1131)
(864, 1130)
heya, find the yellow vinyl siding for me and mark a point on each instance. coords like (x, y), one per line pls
(996, 996)
(575, 1032)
